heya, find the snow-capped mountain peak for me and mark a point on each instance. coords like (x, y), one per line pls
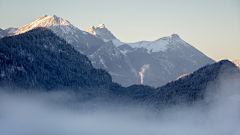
(49, 20)
(91, 30)
(168, 57)
(150, 46)
(44, 21)
(162, 44)
(102, 32)
(80, 40)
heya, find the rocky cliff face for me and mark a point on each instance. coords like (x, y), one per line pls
(102, 32)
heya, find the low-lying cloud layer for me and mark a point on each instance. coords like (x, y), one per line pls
(59, 113)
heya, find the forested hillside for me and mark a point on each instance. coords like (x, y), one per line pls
(40, 59)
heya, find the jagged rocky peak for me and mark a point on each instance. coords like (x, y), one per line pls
(174, 36)
(102, 32)
(91, 30)
(101, 26)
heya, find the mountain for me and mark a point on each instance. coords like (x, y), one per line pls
(195, 86)
(162, 60)
(202, 86)
(40, 59)
(236, 62)
(102, 32)
(109, 58)
(165, 58)
(82, 41)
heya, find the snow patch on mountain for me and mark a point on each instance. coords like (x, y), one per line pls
(117, 42)
(154, 46)
(151, 46)
(124, 52)
(102, 62)
(105, 40)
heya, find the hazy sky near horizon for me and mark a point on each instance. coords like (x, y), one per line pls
(211, 26)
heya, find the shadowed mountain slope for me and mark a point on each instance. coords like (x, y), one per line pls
(40, 59)
(194, 86)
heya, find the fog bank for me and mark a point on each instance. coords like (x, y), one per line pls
(59, 113)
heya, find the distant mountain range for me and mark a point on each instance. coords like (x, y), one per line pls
(40, 60)
(166, 58)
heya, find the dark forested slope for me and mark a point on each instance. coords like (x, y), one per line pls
(40, 59)
(193, 86)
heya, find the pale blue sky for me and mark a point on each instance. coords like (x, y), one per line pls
(212, 26)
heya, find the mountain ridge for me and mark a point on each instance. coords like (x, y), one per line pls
(38, 59)
(168, 57)
(80, 40)
(195, 86)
